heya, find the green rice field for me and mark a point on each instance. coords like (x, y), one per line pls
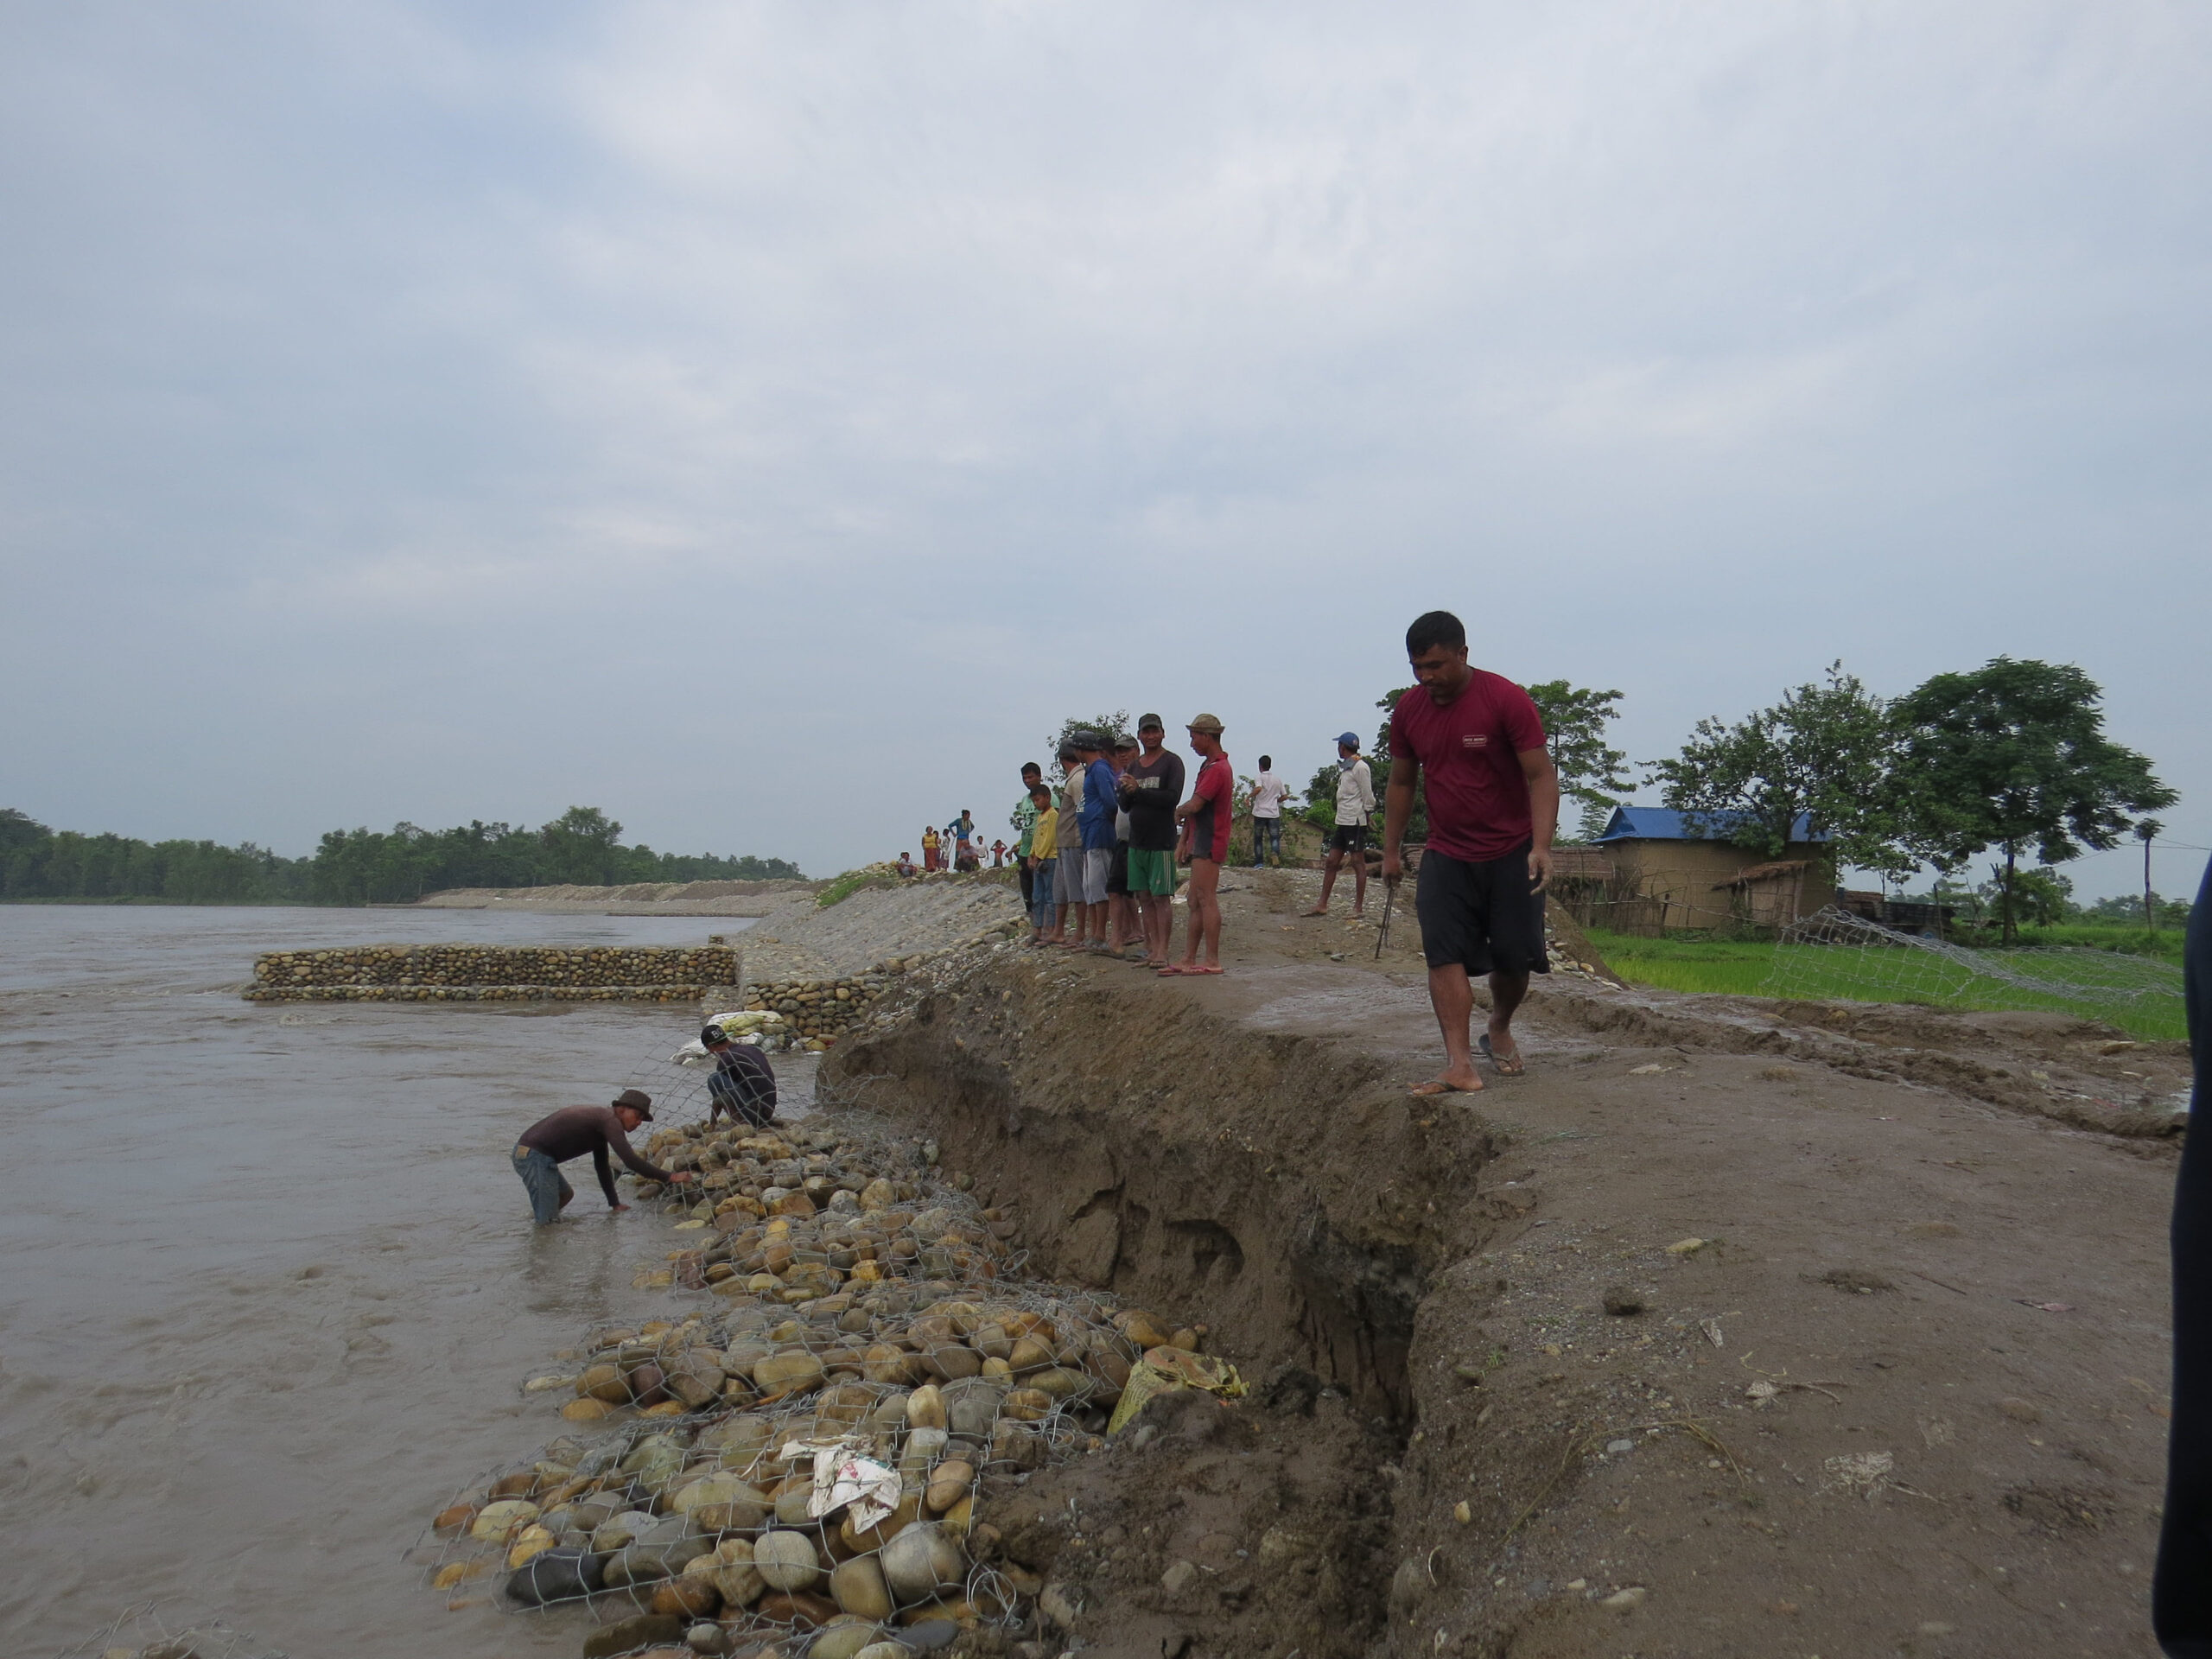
(2140, 994)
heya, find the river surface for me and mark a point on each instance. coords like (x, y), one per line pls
(270, 1282)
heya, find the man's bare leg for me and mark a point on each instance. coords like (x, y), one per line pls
(1210, 915)
(1329, 865)
(1453, 999)
(1507, 992)
(1359, 883)
(1204, 927)
(1158, 927)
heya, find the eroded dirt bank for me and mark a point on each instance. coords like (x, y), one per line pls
(1905, 1395)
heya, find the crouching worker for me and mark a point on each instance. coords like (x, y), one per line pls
(743, 1084)
(570, 1133)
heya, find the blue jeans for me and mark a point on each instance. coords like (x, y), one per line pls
(1266, 832)
(1043, 916)
(541, 1178)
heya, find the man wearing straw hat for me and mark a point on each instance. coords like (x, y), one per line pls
(570, 1133)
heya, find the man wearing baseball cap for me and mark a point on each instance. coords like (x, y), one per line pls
(743, 1084)
(1153, 788)
(1355, 812)
(1205, 817)
(570, 1133)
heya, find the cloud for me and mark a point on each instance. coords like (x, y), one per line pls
(882, 380)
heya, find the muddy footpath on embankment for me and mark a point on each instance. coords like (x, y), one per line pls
(1730, 1328)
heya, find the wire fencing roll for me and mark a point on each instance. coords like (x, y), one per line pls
(1835, 954)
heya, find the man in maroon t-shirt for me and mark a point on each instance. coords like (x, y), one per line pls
(1493, 805)
(1204, 818)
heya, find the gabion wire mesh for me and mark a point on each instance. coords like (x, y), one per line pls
(166, 1629)
(854, 1297)
(1833, 953)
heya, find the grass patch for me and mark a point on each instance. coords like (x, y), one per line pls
(1820, 974)
(844, 887)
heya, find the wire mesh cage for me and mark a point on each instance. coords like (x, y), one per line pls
(854, 1353)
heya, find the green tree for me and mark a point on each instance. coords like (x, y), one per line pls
(1113, 727)
(2039, 896)
(1823, 752)
(1321, 793)
(580, 847)
(1590, 770)
(2014, 755)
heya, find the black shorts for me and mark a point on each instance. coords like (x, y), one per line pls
(1481, 915)
(1117, 870)
(1349, 838)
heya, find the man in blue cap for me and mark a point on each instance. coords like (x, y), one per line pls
(1355, 812)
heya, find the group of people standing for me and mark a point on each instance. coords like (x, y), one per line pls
(954, 848)
(1099, 845)
(1099, 848)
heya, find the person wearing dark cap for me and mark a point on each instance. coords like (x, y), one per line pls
(1096, 827)
(1355, 812)
(743, 1084)
(1153, 788)
(570, 1133)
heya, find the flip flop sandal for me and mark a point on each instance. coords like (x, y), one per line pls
(1509, 1065)
(1436, 1087)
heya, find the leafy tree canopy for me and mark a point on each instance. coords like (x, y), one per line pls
(1590, 770)
(1113, 727)
(1822, 753)
(2014, 754)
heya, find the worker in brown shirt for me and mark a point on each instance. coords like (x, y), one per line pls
(570, 1133)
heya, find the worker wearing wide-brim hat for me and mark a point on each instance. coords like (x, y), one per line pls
(572, 1131)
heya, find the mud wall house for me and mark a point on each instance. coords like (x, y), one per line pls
(1583, 883)
(1673, 874)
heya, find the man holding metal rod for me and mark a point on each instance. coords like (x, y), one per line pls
(1493, 808)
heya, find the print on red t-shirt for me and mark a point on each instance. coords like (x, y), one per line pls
(1470, 753)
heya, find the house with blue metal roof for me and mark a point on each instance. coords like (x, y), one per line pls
(1674, 871)
(1665, 823)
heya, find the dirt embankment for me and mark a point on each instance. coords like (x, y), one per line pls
(1882, 1371)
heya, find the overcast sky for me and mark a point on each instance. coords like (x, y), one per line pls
(767, 422)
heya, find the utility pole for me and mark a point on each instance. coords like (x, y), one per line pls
(2144, 830)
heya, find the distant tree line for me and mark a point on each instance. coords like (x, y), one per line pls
(350, 866)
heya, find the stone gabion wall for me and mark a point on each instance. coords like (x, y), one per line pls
(465, 973)
(825, 1009)
(820, 1009)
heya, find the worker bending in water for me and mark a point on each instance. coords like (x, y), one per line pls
(570, 1133)
(743, 1084)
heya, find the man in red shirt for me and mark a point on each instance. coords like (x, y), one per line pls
(1205, 843)
(1493, 806)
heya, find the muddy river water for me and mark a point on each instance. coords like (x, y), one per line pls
(270, 1286)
